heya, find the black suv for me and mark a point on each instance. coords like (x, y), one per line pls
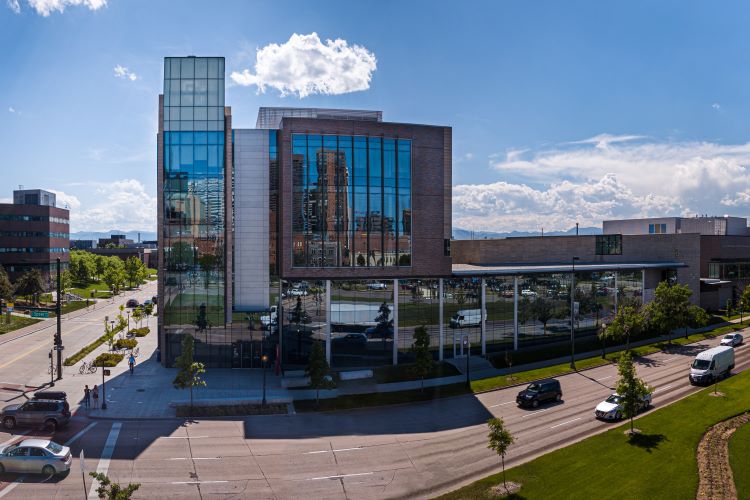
(540, 392)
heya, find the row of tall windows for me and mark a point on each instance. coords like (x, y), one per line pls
(351, 203)
(33, 218)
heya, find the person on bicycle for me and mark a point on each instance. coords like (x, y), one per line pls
(131, 362)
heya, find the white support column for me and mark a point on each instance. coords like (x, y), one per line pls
(395, 322)
(441, 326)
(643, 287)
(617, 291)
(328, 321)
(515, 313)
(280, 323)
(483, 315)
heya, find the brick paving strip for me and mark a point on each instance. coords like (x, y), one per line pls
(715, 474)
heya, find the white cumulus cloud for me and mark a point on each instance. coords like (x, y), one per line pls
(47, 7)
(305, 65)
(606, 177)
(123, 204)
(125, 73)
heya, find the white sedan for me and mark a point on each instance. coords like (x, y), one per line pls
(732, 339)
(611, 408)
(35, 456)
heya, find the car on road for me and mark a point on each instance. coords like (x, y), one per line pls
(147, 302)
(540, 392)
(732, 339)
(528, 293)
(49, 413)
(712, 365)
(35, 456)
(377, 286)
(611, 408)
(132, 303)
(298, 292)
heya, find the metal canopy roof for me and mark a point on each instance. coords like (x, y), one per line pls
(513, 269)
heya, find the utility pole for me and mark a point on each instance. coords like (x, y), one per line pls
(58, 335)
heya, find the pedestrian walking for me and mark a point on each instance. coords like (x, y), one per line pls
(131, 362)
(87, 397)
(95, 394)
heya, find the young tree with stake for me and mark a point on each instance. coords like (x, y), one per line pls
(423, 357)
(500, 440)
(190, 372)
(317, 370)
(632, 389)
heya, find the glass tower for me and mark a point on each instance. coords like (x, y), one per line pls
(193, 204)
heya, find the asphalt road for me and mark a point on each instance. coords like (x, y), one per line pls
(414, 450)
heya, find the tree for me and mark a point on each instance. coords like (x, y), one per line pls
(317, 369)
(148, 310)
(132, 267)
(627, 323)
(190, 372)
(500, 440)
(114, 274)
(66, 281)
(631, 389)
(361, 260)
(543, 310)
(30, 284)
(697, 318)
(201, 322)
(383, 321)
(669, 309)
(422, 356)
(137, 316)
(744, 302)
(6, 287)
(100, 265)
(82, 267)
(113, 491)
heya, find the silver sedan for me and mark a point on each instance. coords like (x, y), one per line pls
(36, 456)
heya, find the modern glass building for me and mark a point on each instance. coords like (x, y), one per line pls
(333, 226)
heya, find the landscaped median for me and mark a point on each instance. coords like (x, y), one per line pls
(661, 462)
(75, 358)
(16, 322)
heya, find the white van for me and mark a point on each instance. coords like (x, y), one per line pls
(270, 318)
(466, 317)
(711, 365)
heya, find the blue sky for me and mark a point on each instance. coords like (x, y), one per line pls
(561, 111)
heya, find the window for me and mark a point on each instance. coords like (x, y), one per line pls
(447, 247)
(657, 229)
(609, 244)
(37, 452)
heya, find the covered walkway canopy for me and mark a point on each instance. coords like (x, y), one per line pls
(513, 269)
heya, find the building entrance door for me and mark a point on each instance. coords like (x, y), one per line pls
(246, 354)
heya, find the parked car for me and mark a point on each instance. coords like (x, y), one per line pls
(298, 292)
(528, 293)
(732, 339)
(540, 392)
(35, 456)
(711, 365)
(49, 413)
(377, 285)
(131, 303)
(611, 408)
(378, 333)
(54, 396)
(351, 342)
(155, 299)
(147, 302)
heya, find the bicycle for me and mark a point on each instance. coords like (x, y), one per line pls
(135, 352)
(52, 370)
(87, 368)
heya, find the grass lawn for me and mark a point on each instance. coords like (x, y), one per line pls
(739, 459)
(488, 384)
(661, 463)
(405, 372)
(16, 322)
(380, 399)
(100, 291)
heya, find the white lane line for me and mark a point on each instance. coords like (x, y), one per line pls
(662, 388)
(194, 458)
(569, 421)
(15, 437)
(501, 404)
(333, 451)
(604, 378)
(11, 486)
(198, 482)
(80, 433)
(109, 449)
(341, 476)
(535, 412)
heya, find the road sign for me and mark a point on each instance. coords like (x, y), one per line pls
(59, 347)
(106, 372)
(40, 314)
(466, 340)
(9, 307)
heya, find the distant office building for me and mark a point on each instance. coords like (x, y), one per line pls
(34, 232)
(82, 244)
(118, 240)
(705, 225)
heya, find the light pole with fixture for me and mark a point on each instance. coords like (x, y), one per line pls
(572, 315)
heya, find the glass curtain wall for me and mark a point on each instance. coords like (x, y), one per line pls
(351, 204)
(194, 207)
(462, 315)
(418, 305)
(361, 323)
(499, 305)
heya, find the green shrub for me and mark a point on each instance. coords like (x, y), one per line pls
(125, 344)
(140, 332)
(108, 359)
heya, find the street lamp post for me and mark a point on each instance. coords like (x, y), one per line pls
(572, 315)
(604, 341)
(104, 391)
(265, 359)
